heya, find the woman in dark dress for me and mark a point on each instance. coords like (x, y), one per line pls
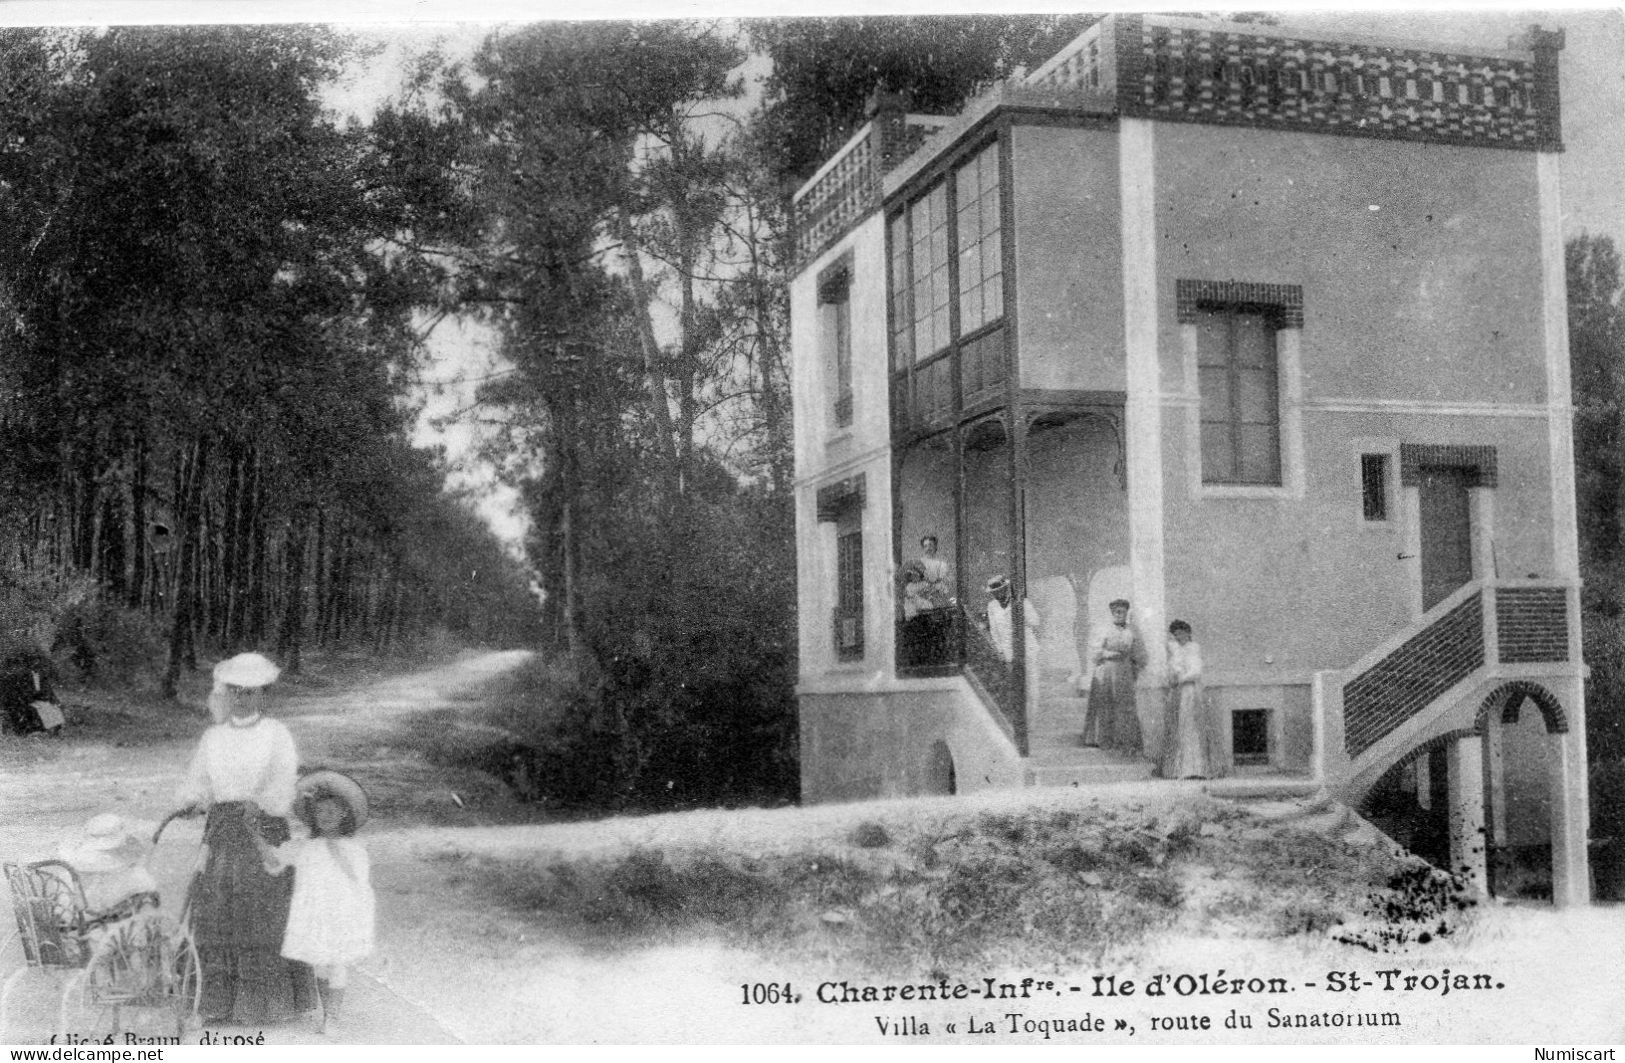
(243, 776)
(1116, 655)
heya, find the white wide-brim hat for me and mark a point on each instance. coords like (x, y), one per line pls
(248, 671)
(108, 843)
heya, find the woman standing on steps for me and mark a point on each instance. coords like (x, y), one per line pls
(1186, 745)
(243, 776)
(1115, 654)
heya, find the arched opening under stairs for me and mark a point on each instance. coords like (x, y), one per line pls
(1478, 801)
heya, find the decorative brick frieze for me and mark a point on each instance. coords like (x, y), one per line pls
(1479, 461)
(1185, 73)
(834, 498)
(1192, 296)
(1533, 624)
(1421, 669)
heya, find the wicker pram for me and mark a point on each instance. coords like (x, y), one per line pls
(128, 955)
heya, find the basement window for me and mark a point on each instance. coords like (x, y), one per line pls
(1250, 737)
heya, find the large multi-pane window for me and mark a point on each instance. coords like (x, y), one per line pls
(927, 287)
(981, 262)
(947, 282)
(1239, 372)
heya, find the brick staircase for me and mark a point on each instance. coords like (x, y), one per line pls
(1430, 679)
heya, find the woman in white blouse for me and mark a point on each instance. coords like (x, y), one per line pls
(243, 776)
(1185, 742)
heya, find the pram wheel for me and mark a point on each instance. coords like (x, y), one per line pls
(147, 962)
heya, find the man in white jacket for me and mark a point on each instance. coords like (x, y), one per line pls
(1000, 628)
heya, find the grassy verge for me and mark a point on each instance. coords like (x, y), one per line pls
(1045, 885)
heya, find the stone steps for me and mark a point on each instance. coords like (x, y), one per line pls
(1099, 774)
(1057, 755)
(1281, 787)
(1077, 756)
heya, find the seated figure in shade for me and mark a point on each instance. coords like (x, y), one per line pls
(1115, 656)
(935, 602)
(917, 619)
(935, 570)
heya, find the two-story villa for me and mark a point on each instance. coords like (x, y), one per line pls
(1259, 330)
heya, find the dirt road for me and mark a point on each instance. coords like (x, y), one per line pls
(49, 789)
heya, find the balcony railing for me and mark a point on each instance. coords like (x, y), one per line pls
(1080, 65)
(844, 190)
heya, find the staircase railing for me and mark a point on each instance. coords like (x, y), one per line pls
(961, 646)
(995, 680)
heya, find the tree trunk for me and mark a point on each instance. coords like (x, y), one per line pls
(180, 631)
(290, 639)
(231, 554)
(654, 376)
(138, 523)
(320, 590)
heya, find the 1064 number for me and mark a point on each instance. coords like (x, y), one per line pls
(767, 993)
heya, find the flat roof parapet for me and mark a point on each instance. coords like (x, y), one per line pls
(1188, 70)
(1175, 69)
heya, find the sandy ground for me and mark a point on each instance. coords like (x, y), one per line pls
(452, 966)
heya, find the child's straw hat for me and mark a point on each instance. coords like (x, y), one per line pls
(325, 782)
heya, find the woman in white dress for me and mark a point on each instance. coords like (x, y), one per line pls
(1185, 746)
(242, 775)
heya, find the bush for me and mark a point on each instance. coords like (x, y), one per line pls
(1608, 799)
(33, 603)
(869, 835)
(103, 642)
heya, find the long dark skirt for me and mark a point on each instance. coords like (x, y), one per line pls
(1112, 719)
(239, 913)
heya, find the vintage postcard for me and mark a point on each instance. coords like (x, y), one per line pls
(557, 527)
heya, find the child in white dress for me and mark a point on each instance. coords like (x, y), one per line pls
(330, 922)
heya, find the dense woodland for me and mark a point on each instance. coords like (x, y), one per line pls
(218, 293)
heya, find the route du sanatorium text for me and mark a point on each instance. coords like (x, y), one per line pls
(1179, 1001)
